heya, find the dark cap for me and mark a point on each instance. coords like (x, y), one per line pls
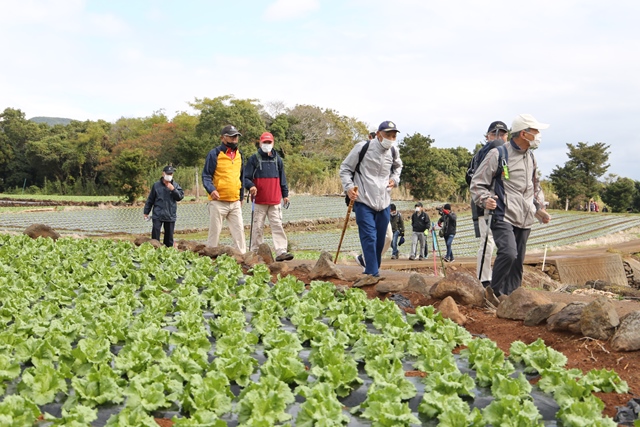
(392, 207)
(169, 170)
(447, 206)
(418, 204)
(497, 125)
(387, 126)
(230, 131)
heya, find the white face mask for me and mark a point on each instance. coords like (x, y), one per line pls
(266, 148)
(386, 143)
(168, 178)
(417, 209)
(537, 139)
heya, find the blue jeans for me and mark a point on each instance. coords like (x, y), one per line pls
(372, 228)
(394, 243)
(449, 241)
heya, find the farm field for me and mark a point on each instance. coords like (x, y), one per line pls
(566, 227)
(98, 332)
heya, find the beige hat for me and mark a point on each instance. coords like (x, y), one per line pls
(526, 121)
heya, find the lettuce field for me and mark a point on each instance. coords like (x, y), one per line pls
(565, 228)
(97, 332)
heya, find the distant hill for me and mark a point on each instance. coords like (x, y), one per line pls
(51, 121)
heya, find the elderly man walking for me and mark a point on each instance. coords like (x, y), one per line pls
(509, 173)
(223, 177)
(374, 174)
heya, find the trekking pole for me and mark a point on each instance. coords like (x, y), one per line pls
(344, 227)
(544, 258)
(486, 239)
(253, 207)
(433, 251)
(435, 239)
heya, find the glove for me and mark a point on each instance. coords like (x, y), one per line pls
(401, 241)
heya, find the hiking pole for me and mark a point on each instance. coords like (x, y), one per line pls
(433, 251)
(486, 239)
(435, 240)
(344, 227)
(253, 207)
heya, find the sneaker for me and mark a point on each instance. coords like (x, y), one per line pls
(360, 261)
(420, 258)
(286, 256)
(412, 257)
(394, 256)
(446, 259)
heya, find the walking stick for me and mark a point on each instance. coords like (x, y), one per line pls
(435, 241)
(253, 207)
(484, 251)
(344, 228)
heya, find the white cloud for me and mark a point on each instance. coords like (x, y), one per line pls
(284, 10)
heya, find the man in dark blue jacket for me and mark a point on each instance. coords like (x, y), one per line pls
(163, 198)
(265, 179)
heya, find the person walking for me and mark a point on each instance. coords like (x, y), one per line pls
(163, 199)
(496, 136)
(448, 222)
(374, 176)
(509, 173)
(420, 222)
(222, 177)
(397, 228)
(265, 179)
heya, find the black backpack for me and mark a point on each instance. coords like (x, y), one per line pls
(476, 160)
(363, 151)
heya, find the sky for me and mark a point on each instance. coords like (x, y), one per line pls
(444, 69)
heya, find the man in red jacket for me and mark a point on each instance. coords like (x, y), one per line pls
(265, 179)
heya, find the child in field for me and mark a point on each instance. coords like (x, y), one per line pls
(163, 198)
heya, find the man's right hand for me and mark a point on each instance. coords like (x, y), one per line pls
(253, 191)
(215, 195)
(353, 193)
(490, 203)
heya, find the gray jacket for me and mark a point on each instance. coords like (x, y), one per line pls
(376, 168)
(519, 197)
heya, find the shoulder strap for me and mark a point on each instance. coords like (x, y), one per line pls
(363, 151)
(503, 160)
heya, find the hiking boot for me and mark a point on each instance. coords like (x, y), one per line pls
(360, 261)
(490, 296)
(394, 256)
(446, 259)
(286, 256)
(420, 258)
(412, 258)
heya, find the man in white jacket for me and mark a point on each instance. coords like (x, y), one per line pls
(516, 200)
(375, 176)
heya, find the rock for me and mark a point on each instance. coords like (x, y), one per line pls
(449, 309)
(325, 268)
(265, 252)
(366, 280)
(627, 338)
(342, 289)
(462, 287)
(302, 270)
(155, 243)
(491, 297)
(402, 302)
(519, 303)
(189, 245)
(541, 313)
(418, 284)
(280, 268)
(567, 319)
(41, 230)
(140, 240)
(390, 286)
(251, 258)
(599, 319)
(215, 252)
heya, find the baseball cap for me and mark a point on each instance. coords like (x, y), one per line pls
(447, 206)
(497, 125)
(169, 170)
(266, 137)
(526, 121)
(387, 126)
(418, 204)
(230, 131)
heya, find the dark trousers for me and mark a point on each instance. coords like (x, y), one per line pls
(168, 231)
(372, 228)
(512, 246)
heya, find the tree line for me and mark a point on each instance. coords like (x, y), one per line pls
(125, 157)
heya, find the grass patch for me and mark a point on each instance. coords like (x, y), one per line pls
(60, 198)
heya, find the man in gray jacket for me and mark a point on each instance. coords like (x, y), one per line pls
(375, 176)
(512, 190)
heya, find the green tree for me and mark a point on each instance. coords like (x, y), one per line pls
(15, 132)
(619, 195)
(128, 174)
(567, 184)
(417, 174)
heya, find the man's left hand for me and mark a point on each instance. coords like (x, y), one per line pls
(392, 184)
(285, 200)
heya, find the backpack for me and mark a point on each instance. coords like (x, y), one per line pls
(476, 160)
(260, 162)
(363, 151)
